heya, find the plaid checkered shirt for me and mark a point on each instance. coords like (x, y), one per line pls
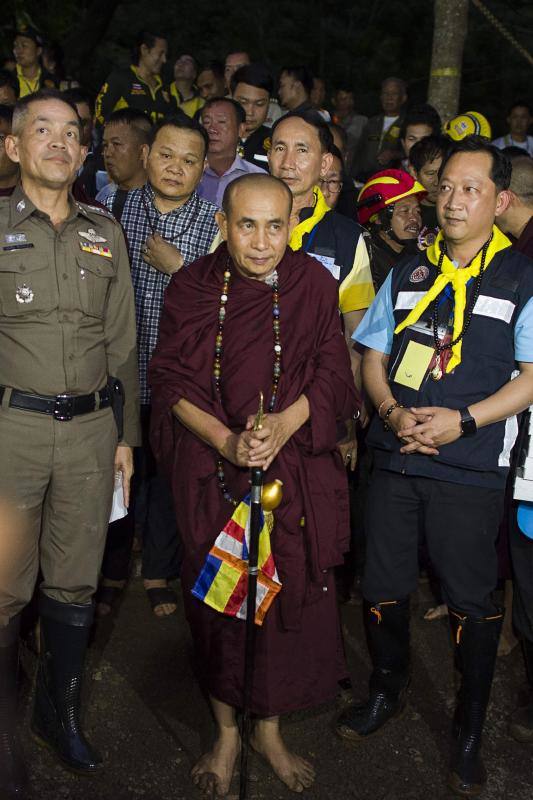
(191, 228)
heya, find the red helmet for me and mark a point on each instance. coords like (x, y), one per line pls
(383, 189)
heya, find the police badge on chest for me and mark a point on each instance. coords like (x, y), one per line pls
(24, 294)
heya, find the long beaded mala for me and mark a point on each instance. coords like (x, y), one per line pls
(438, 370)
(217, 370)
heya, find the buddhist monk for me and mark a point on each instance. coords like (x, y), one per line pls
(256, 316)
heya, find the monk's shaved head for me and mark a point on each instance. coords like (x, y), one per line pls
(254, 222)
(262, 183)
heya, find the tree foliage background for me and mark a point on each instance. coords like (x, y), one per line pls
(355, 43)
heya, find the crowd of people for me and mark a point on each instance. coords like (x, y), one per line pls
(172, 252)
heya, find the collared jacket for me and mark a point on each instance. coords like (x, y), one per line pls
(124, 88)
(372, 141)
(67, 315)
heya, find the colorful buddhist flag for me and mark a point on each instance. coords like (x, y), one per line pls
(223, 581)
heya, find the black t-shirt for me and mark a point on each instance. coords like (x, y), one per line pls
(256, 147)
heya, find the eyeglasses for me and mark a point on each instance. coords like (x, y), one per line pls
(333, 184)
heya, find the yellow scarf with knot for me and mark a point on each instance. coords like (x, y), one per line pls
(458, 278)
(320, 210)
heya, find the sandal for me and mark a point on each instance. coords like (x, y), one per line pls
(162, 595)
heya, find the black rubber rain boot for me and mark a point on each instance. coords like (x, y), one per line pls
(387, 627)
(13, 775)
(476, 642)
(521, 723)
(65, 632)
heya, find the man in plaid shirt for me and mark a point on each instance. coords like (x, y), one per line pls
(167, 226)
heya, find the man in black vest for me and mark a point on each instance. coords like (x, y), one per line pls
(443, 338)
(251, 87)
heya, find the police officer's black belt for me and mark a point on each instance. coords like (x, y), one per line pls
(62, 407)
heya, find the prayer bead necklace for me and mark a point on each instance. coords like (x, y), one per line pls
(438, 370)
(217, 369)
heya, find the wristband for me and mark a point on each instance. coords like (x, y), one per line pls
(381, 406)
(388, 413)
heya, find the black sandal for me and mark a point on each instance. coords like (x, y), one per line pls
(161, 595)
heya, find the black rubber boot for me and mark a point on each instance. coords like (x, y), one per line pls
(387, 627)
(476, 646)
(521, 723)
(13, 775)
(65, 632)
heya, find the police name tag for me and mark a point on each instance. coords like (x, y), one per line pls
(329, 263)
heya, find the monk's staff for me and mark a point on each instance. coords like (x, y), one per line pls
(249, 651)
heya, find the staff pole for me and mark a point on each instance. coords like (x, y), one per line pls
(249, 652)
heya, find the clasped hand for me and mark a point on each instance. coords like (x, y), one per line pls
(424, 430)
(162, 255)
(257, 448)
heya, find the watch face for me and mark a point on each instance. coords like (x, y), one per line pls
(468, 425)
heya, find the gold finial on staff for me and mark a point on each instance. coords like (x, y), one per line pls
(258, 421)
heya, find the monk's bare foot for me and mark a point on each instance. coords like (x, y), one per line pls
(162, 597)
(214, 771)
(295, 772)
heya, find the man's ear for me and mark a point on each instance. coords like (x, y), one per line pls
(222, 222)
(242, 130)
(503, 201)
(327, 162)
(145, 152)
(11, 147)
(145, 149)
(412, 172)
(83, 155)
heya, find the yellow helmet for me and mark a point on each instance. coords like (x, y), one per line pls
(468, 124)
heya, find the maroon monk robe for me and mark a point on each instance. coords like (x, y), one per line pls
(299, 657)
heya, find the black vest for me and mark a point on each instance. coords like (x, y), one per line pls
(487, 363)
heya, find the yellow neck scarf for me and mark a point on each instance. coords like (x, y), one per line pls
(26, 85)
(458, 278)
(319, 212)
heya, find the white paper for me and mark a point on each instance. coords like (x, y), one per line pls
(523, 490)
(118, 509)
(329, 263)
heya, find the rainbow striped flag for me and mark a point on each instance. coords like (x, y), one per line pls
(223, 581)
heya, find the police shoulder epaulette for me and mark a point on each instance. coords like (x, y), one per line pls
(97, 210)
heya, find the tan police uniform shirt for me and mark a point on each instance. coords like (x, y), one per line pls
(67, 314)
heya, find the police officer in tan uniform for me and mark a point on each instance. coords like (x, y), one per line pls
(67, 338)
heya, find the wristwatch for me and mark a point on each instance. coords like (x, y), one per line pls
(468, 423)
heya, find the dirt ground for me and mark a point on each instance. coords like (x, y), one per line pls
(147, 715)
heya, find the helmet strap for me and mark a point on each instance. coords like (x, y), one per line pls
(385, 217)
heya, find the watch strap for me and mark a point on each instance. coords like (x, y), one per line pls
(468, 423)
